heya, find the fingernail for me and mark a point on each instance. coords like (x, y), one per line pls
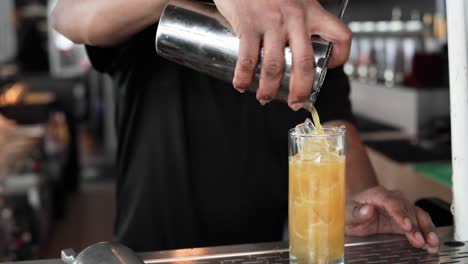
(425, 247)
(407, 223)
(296, 106)
(419, 236)
(263, 102)
(433, 237)
(240, 90)
(364, 210)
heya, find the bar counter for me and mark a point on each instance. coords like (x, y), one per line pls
(373, 249)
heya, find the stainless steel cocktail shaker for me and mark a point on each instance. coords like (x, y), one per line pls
(196, 35)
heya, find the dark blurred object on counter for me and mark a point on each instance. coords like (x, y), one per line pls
(436, 134)
(438, 209)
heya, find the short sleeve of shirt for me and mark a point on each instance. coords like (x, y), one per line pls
(333, 102)
(103, 58)
(109, 59)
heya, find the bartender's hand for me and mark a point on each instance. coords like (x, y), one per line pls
(378, 210)
(273, 23)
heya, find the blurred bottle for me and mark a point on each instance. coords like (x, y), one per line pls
(413, 42)
(350, 67)
(372, 73)
(382, 28)
(394, 70)
(365, 51)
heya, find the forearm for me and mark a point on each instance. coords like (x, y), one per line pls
(104, 23)
(360, 174)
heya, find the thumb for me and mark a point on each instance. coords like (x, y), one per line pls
(357, 213)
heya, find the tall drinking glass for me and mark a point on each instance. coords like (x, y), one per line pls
(317, 196)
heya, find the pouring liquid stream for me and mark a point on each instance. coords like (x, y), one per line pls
(309, 106)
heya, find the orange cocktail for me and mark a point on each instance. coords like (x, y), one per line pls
(317, 195)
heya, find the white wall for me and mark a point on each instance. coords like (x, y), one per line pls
(406, 108)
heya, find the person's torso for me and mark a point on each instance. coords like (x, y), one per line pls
(199, 164)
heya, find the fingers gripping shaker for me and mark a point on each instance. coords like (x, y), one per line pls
(197, 36)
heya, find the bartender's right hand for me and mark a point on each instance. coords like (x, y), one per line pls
(272, 24)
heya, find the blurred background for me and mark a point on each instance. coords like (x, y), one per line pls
(57, 138)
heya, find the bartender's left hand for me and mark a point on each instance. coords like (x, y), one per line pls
(377, 211)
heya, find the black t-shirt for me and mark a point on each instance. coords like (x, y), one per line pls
(199, 164)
